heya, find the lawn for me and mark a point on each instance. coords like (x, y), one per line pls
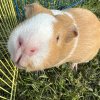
(61, 83)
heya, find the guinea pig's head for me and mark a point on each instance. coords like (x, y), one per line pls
(41, 41)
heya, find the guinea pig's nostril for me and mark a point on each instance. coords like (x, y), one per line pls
(32, 50)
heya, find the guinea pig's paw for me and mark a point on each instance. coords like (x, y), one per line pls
(74, 66)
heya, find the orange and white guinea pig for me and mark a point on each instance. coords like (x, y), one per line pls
(49, 38)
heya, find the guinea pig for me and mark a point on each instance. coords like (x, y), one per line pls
(49, 38)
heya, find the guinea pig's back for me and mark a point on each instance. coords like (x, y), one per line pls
(88, 27)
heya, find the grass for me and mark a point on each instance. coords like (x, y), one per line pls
(61, 83)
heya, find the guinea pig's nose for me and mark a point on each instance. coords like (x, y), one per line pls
(31, 51)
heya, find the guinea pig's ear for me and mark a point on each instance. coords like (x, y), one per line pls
(72, 33)
(35, 8)
(28, 10)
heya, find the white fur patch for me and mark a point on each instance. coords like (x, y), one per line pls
(37, 32)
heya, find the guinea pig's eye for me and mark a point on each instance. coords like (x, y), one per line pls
(57, 38)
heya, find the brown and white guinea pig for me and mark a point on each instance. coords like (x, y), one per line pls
(51, 37)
